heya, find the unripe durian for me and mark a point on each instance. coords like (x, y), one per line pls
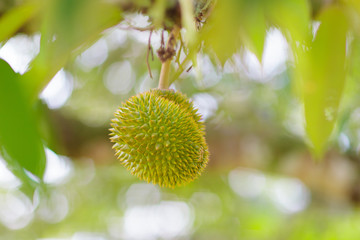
(159, 137)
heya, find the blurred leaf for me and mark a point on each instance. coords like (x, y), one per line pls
(322, 74)
(188, 20)
(355, 4)
(15, 18)
(19, 138)
(157, 11)
(191, 37)
(220, 34)
(254, 27)
(68, 25)
(353, 14)
(292, 17)
(234, 24)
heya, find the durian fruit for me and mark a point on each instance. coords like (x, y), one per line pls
(181, 100)
(159, 137)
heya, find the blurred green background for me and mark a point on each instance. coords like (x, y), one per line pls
(74, 62)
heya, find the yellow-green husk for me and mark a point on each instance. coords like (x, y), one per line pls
(159, 137)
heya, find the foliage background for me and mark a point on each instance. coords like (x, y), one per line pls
(276, 82)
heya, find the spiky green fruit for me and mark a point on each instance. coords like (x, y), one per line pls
(159, 137)
(183, 102)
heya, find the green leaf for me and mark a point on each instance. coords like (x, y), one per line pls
(292, 17)
(322, 72)
(68, 25)
(157, 12)
(220, 34)
(235, 24)
(353, 13)
(188, 22)
(354, 4)
(19, 138)
(12, 20)
(253, 29)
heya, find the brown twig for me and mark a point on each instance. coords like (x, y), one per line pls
(162, 39)
(141, 29)
(177, 60)
(166, 58)
(149, 49)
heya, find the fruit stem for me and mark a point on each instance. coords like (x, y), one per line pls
(164, 81)
(164, 75)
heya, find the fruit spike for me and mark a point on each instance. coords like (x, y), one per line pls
(159, 137)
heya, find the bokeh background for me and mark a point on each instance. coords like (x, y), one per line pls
(261, 182)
